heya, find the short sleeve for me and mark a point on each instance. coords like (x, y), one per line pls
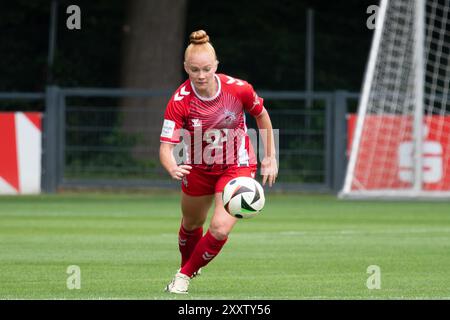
(253, 104)
(173, 122)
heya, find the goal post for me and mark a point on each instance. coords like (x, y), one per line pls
(399, 141)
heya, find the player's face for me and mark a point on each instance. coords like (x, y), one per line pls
(201, 67)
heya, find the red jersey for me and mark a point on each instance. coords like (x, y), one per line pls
(214, 128)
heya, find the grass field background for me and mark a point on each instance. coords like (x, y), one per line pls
(299, 247)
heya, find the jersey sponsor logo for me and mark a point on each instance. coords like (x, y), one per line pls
(183, 93)
(232, 80)
(167, 129)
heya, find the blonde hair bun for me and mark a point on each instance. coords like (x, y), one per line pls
(199, 37)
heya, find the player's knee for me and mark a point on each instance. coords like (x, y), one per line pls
(218, 231)
(191, 225)
(192, 222)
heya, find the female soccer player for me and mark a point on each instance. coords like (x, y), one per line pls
(208, 109)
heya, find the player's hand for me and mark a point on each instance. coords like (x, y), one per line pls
(178, 172)
(269, 170)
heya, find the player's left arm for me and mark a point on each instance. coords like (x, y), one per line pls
(269, 166)
(254, 105)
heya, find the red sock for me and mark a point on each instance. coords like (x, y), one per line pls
(207, 248)
(187, 240)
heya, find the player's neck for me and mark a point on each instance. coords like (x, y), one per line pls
(210, 91)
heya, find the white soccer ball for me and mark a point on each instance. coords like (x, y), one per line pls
(243, 197)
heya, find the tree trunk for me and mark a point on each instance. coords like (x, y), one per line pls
(153, 59)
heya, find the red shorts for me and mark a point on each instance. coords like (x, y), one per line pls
(201, 182)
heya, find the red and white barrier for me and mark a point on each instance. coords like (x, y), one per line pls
(390, 151)
(20, 152)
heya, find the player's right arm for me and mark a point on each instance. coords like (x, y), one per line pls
(168, 162)
(174, 117)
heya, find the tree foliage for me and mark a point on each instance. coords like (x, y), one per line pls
(261, 41)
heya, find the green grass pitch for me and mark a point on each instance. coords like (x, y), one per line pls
(299, 247)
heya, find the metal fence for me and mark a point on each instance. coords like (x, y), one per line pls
(88, 141)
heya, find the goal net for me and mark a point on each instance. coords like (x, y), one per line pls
(399, 142)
